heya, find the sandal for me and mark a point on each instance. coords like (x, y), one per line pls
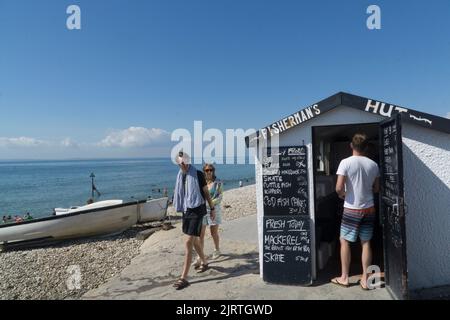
(181, 284)
(337, 282)
(362, 287)
(203, 268)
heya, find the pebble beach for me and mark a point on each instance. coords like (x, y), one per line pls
(46, 273)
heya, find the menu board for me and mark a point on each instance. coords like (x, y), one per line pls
(392, 181)
(285, 181)
(287, 250)
(390, 168)
(286, 229)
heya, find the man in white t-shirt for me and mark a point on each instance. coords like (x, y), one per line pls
(357, 181)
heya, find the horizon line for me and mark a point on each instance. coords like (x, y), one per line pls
(92, 159)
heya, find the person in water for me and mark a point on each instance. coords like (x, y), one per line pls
(28, 216)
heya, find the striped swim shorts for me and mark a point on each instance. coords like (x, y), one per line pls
(357, 222)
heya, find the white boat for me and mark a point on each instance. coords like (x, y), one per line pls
(99, 218)
(95, 205)
(153, 210)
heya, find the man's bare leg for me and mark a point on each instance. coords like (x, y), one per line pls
(188, 244)
(345, 261)
(202, 238)
(366, 259)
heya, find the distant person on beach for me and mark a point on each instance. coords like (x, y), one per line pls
(28, 216)
(90, 201)
(215, 191)
(357, 181)
(4, 219)
(190, 194)
(18, 219)
(241, 184)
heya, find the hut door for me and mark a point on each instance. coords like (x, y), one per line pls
(392, 207)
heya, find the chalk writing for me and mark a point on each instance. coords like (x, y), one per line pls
(390, 182)
(287, 249)
(285, 181)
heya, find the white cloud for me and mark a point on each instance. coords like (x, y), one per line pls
(21, 142)
(69, 143)
(448, 115)
(24, 142)
(135, 137)
(131, 142)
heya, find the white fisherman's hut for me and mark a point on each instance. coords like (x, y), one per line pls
(299, 211)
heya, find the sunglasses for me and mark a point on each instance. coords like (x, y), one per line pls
(209, 170)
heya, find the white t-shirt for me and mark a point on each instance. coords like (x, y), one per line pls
(360, 173)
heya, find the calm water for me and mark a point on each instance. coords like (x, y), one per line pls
(39, 186)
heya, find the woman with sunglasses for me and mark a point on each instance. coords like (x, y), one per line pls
(215, 192)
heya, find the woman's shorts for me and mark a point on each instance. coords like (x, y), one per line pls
(357, 223)
(218, 220)
(192, 221)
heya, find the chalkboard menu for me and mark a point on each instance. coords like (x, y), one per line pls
(285, 181)
(393, 207)
(392, 180)
(286, 229)
(287, 250)
(390, 162)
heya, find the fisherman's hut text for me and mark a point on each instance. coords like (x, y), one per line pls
(225, 310)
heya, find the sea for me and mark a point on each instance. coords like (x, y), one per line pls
(38, 187)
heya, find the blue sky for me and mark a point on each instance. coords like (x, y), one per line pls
(139, 69)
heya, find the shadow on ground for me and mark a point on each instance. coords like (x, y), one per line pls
(246, 264)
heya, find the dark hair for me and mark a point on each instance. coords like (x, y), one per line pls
(210, 165)
(360, 142)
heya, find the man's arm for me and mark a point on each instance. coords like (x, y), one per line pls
(340, 186)
(210, 202)
(376, 185)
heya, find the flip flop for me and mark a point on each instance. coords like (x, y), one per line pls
(364, 288)
(181, 284)
(336, 282)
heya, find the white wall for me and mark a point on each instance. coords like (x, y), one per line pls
(259, 210)
(426, 158)
(338, 116)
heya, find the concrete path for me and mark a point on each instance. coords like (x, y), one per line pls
(234, 276)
